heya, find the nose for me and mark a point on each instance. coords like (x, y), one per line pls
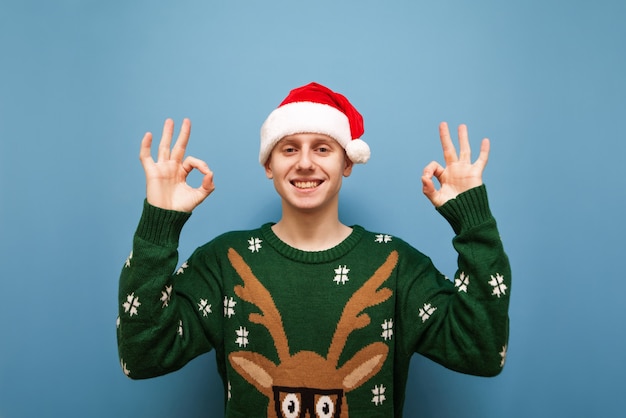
(305, 161)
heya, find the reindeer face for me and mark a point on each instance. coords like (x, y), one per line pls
(306, 384)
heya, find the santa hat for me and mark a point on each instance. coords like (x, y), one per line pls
(316, 109)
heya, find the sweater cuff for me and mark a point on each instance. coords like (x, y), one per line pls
(467, 210)
(161, 226)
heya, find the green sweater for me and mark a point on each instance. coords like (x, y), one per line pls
(329, 332)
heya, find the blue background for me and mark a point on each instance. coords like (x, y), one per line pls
(81, 81)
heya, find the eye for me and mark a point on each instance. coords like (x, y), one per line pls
(325, 407)
(291, 406)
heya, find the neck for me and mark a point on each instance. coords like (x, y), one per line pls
(313, 231)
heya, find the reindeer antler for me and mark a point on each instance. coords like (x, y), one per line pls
(368, 295)
(254, 292)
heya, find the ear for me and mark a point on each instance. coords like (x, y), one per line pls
(364, 365)
(256, 369)
(268, 169)
(348, 167)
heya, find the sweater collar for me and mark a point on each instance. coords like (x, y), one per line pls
(312, 257)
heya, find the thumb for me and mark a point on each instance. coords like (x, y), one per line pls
(207, 182)
(428, 187)
(434, 169)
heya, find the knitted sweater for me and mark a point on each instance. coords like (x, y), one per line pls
(329, 332)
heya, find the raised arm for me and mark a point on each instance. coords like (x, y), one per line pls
(459, 174)
(159, 304)
(166, 178)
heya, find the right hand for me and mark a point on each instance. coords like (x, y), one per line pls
(166, 179)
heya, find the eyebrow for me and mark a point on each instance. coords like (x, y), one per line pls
(317, 139)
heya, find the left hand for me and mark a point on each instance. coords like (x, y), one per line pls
(459, 174)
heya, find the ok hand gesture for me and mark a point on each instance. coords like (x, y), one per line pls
(166, 179)
(460, 174)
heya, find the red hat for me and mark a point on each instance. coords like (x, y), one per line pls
(316, 109)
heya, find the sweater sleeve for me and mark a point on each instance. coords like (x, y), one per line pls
(164, 312)
(463, 324)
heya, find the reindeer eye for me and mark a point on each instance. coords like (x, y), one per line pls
(325, 407)
(291, 406)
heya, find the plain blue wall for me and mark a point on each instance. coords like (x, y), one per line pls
(81, 81)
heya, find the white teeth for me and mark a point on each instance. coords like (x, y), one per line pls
(305, 184)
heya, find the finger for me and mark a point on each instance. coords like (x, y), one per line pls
(145, 155)
(433, 169)
(191, 163)
(483, 157)
(207, 183)
(449, 152)
(465, 153)
(428, 187)
(178, 151)
(166, 140)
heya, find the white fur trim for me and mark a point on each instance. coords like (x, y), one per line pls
(303, 117)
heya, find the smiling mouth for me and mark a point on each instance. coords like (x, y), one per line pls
(311, 184)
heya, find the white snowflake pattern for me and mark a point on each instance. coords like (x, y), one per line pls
(503, 355)
(242, 337)
(118, 321)
(131, 304)
(462, 282)
(255, 244)
(130, 257)
(497, 282)
(379, 394)
(383, 238)
(229, 306)
(229, 389)
(205, 307)
(166, 295)
(182, 268)
(426, 311)
(179, 331)
(387, 329)
(124, 368)
(341, 274)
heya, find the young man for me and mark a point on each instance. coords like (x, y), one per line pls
(310, 317)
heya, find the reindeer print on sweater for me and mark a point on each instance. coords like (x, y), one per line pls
(312, 384)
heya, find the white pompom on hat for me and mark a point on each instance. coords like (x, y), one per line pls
(314, 108)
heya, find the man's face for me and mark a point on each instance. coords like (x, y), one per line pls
(307, 170)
